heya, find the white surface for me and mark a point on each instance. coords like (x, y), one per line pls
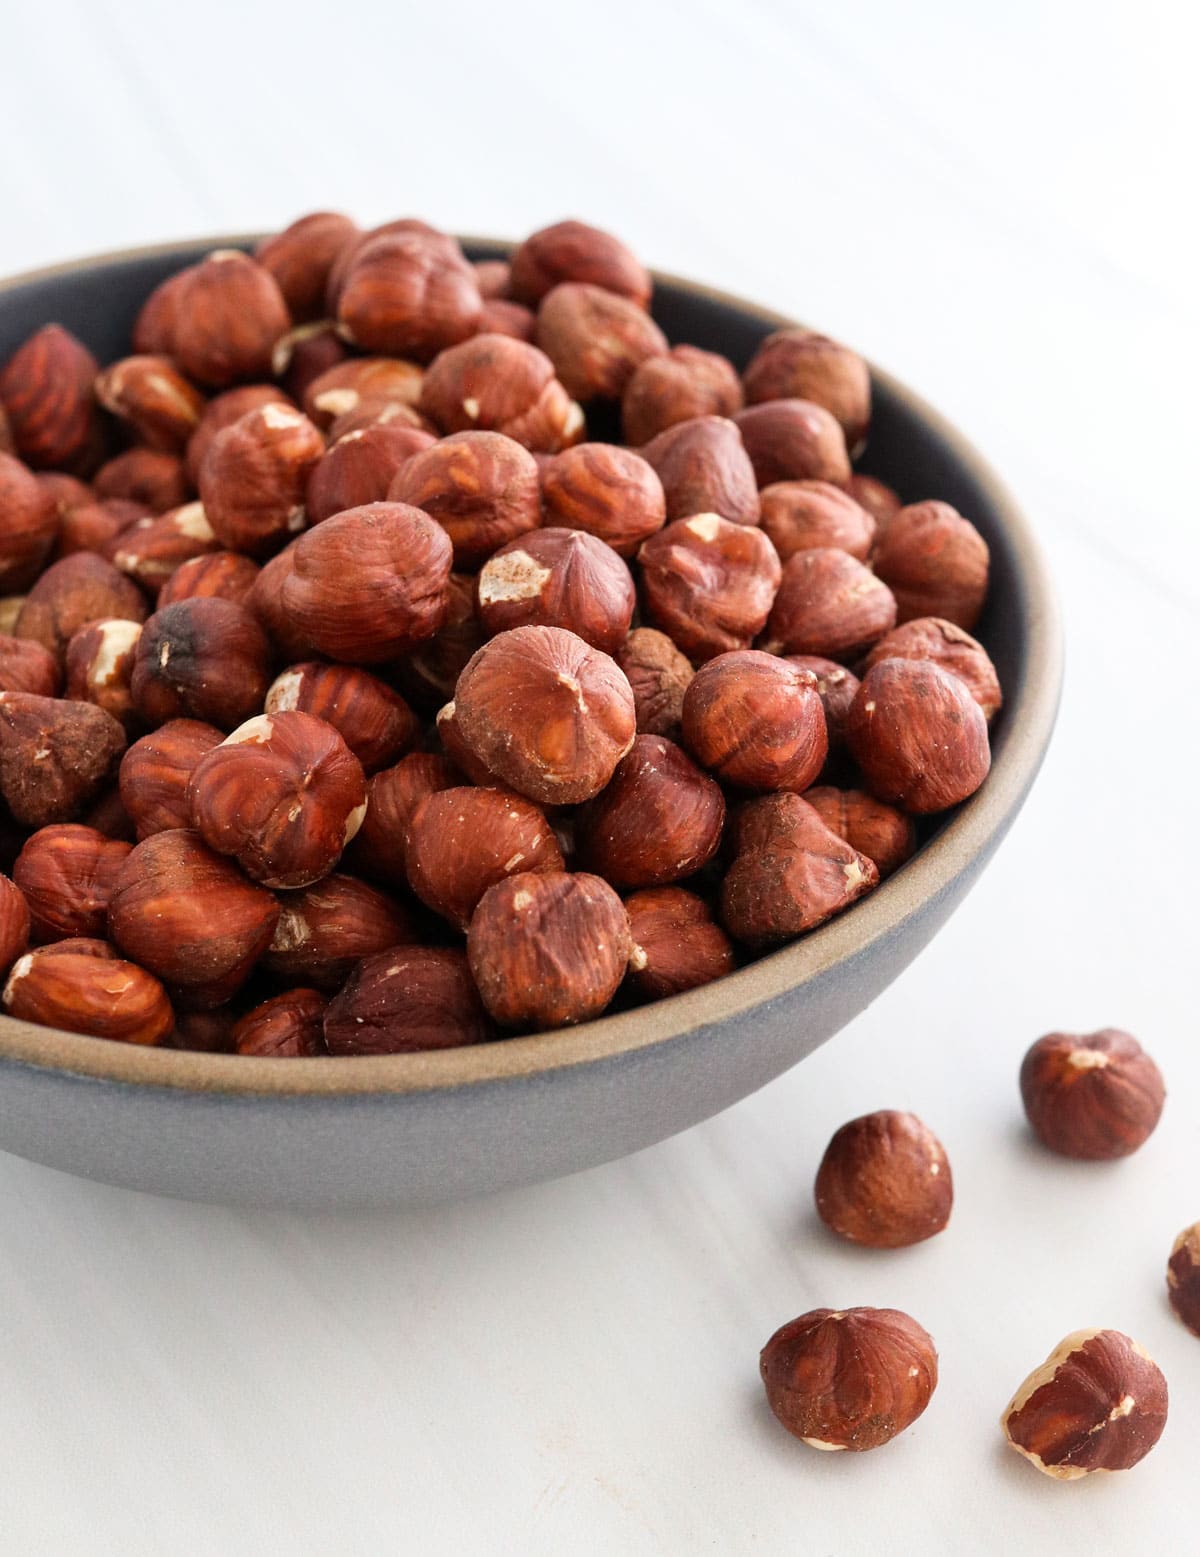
(1001, 213)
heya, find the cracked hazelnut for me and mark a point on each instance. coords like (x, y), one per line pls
(756, 722)
(324, 929)
(66, 873)
(546, 951)
(284, 1027)
(46, 392)
(558, 578)
(301, 257)
(793, 440)
(405, 1000)
(493, 383)
(360, 468)
(677, 945)
(573, 251)
(704, 470)
(1183, 1275)
(254, 478)
(55, 756)
(849, 1378)
(153, 399)
(80, 589)
(87, 993)
(228, 314)
(26, 666)
(406, 296)
(202, 659)
(684, 384)
(879, 831)
(884, 1181)
(658, 675)
(223, 575)
(156, 770)
(803, 515)
(611, 493)
(342, 389)
(31, 521)
(375, 722)
(1096, 1097)
(392, 799)
(481, 487)
(1098, 1403)
(799, 364)
(931, 638)
(830, 605)
(880, 501)
(595, 339)
(150, 552)
(100, 666)
(14, 923)
(223, 411)
(709, 583)
(935, 562)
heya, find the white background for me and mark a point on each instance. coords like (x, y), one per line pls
(997, 203)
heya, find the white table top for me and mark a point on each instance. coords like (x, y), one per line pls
(1000, 213)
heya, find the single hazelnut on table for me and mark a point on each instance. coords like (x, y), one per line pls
(880, 500)
(849, 1378)
(799, 364)
(228, 314)
(150, 551)
(558, 578)
(493, 383)
(704, 469)
(323, 930)
(254, 478)
(80, 589)
(406, 1000)
(360, 468)
(227, 575)
(46, 391)
(1183, 1277)
(756, 722)
(595, 339)
(204, 659)
(342, 389)
(31, 521)
(100, 995)
(301, 257)
(429, 674)
(151, 476)
(66, 873)
(153, 398)
(156, 770)
(879, 831)
(918, 735)
(935, 562)
(830, 605)
(406, 296)
(392, 800)
(684, 383)
(793, 440)
(574, 251)
(481, 487)
(304, 353)
(1096, 1097)
(223, 411)
(55, 756)
(375, 722)
(612, 493)
(550, 950)
(14, 923)
(884, 1181)
(677, 945)
(285, 1027)
(709, 583)
(932, 638)
(803, 515)
(501, 316)
(659, 676)
(26, 666)
(1098, 1403)
(546, 713)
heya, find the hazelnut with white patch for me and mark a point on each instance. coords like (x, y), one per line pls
(375, 722)
(154, 399)
(709, 583)
(323, 930)
(151, 552)
(495, 383)
(481, 487)
(254, 477)
(558, 578)
(1183, 1277)
(100, 667)
(88, 991)
(884, 1181)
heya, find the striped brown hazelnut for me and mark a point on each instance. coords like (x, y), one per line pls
(228, 314)
(481, 487)
(286, 1026)
(709, 583)
(493, 383)
(501, 316)
(81, 588)
(704, 470)
(595, 339)
(793, 440)
(324, 929)
(683, 384)
(836, 687)
(14, 923)
(254, 478)
(360, 468)
(1094, 1097)
(405, 1000)
(918, 736)
(879, 831)
(677, 945)
(405, 296)
(153, 399)
(801, 515)
(100, 667)
(375, 722)
(1183, 1277)
(224, 575)
(151, 333)
(379, 411)
(31, 521)
(574, 251)
(46, 390)
(26, 666)
(799, 364)
(55, 756)
(202, 659)
(392, 798)
(659, 675)
(301, 257)
(935, 562)
(756, 722)
(221, 412)
(880, 500)
(558, 578)
(149, 552)
(829, 604)
(611, 493)
(66, 873)
(884, 1181)
(304, 353)
(101, 996)
(156, 770)
(343, 388)
(932, 638)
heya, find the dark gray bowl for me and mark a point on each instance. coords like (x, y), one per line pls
(413, 1129)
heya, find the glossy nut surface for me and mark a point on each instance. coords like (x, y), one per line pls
(1095, 1097)
(558, 578)
(884, 1181)
(756, 722)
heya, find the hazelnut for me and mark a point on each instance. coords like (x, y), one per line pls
(406, 296)
(709, 583)
(756, 722)
(14, 923)
(31, 521)
(223, 575)
(801, 515)
(882, 833)
(836, 687)
(150, 552)
(265, 604)
(66, 873)
(152, 329)
(228, 313)
(918, 735)
(302, 256)
(546, 951)
(793, 440)
(547, 713)
(595, 339)
(884, 1181)
(55, 756)
(98, 995)
(202, 659)
(153, 399)
(499, 316)
(658, 675)
(1183, 1272)
(109, 817)
(375, 722)
(1098, 1403)
(283, 794)
(254, 477)
(342, 389)
(10, 610)
(481, 487)
(66, 492)
(100, 666)
(204, 1032)
(493, 383)
(558, 578)
(190, 917)
(302, 355)
(573, 251)
(800, 364)
(428, 675)
(326, 928)
(151, 477)
(392, 799)
(46, 392)
(880, 501)
(222, 412)
(156, 770)
(97, 527)
(404, 1000)
(458, 753)
(704, 469)
(683, 384)
(26, 666)
(1096, 1097)
(80, 589)
(849, 1378)
(658, 820)
(462, 841)
(284, 1027)
(677, 945)
(931, 638)
(611, 493)
(935, 562)
(370, 583)
(494, 277)
(830, 605)
(790, 872)
(360, 468)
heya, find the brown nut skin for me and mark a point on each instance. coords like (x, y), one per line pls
(558, 578)
(100, 666)
(836, 687)
(379, 411)
(203, 1032)
(494, 278)
(31, 519)
(287, 1026)
(500, 316)
(325, 929)
(659, 819)
(884, 1181)
(151, 550)
(204, 659)
(342, 389)
(790, 874)
(223, 575)
(493, 383)
(109, 817)
(254, 479)
(223, 411)
(756, 722)
(404, 296)
(304, 353)
(849, 1378)
(595, 339)
(428, 675)
(935, 562)
(360, 468)
(6, 438)
(830, 605)
(190, 917)
(880, 500)
(152, 477)
(96, 527)
(283, 794)
(677, 945)
(1183, 1274)
(26, 666)
(793, 440)
(265, 604)
(228, 315)
(659, 676)
(918, 735)
(153, 399)
(369, 584)
(685, 383)
(392, 799)
(546, 713)
(611, 493)
(709, 583)
(14, 923)
(704, 470)
(1094, 1097)
(573, 251)
(406, 1000)
(151, 335)
(462, 841)
(459, 754)
(156, 770)
(481, 487)
(879, 831)
(800, 364)
(932, 638)
(375, 722)
(46, 393)
(301, 257)
(801, 515)
(66, 873)
(547, 951)
(81, 588)
(87, 993)
(55, 756)
(1098, 1403)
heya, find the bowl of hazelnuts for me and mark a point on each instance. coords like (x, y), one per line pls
(468, 710)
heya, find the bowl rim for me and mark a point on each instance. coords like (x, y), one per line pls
(1029, 714)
